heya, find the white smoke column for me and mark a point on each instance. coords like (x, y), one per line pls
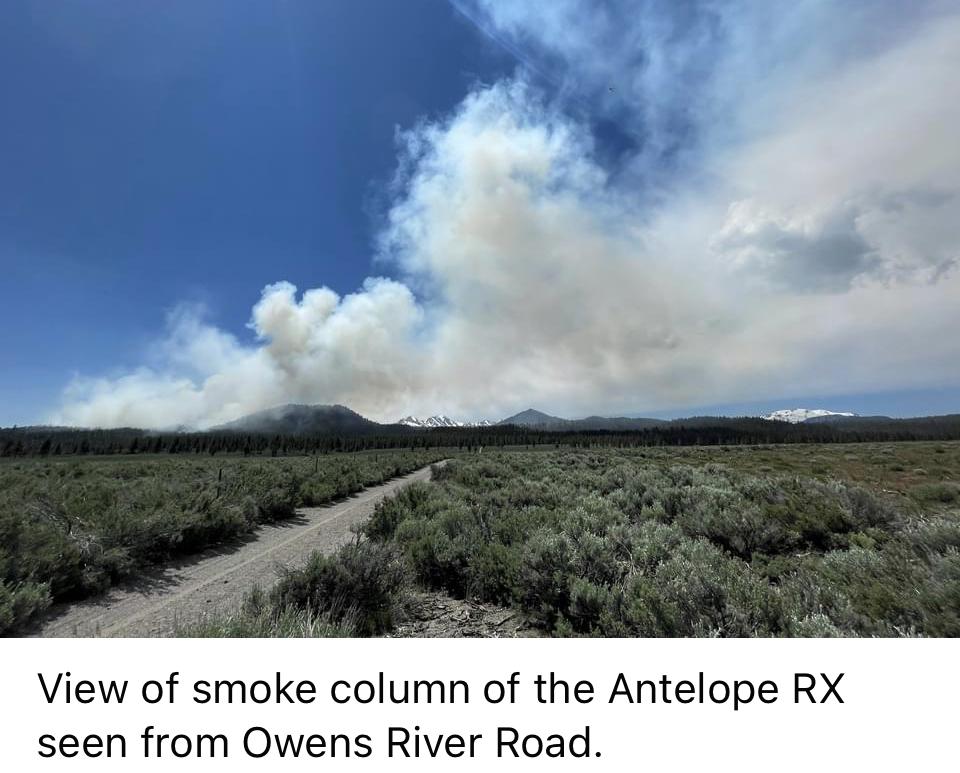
(541, 283)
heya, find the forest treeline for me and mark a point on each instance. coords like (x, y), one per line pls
(47, 441)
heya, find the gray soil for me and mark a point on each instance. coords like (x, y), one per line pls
(431, 614)
(219, 579)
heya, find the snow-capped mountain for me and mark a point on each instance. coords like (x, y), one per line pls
(799, 415)
(440, 421)
(433, 421)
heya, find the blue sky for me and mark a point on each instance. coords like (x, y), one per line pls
(591, 207)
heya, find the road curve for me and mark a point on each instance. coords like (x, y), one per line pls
(217, 580)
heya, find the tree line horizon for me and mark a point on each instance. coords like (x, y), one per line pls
(39, 441)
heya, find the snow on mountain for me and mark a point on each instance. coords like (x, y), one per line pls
(433, 421)
(799, 415)
(439, 421)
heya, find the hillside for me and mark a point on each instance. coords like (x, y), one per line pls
(295, 419)
(543, 421)
(534, 418)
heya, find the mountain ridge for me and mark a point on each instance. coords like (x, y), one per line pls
(298, 419)
(301, 419)
(439, 420)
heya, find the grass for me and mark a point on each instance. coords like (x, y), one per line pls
(258, 618)
(71, 528)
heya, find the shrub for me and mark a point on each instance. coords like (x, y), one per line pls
(19, 603)
(698, 591)
(493, 572)
(935, 536)
(730, 521)
(389, 512)
(439, 549)
(883, 587)
(943, 493)
(940, 600)
(360, 584)
(590, 604)
(545, 574)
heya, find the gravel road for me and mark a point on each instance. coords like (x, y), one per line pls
(218, 579)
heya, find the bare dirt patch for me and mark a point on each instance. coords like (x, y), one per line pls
(436, 615)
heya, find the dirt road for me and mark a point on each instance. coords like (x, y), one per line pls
(218, 579)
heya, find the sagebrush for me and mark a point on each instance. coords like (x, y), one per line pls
(665, 543)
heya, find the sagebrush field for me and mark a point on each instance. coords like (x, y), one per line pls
(71, 527)
(796, 540)
(854, 540)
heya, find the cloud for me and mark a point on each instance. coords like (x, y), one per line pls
(859, 179)
(804, 245)
(815, 252)
(885, 238)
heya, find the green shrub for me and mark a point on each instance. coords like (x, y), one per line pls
(935, 536)
(940, 599)
(883, 587)
(361, 585)
(389, 512)
(492, 573)
(545, 577)
(439, 550)
(698, 591)
(20, 603)
(944, 493)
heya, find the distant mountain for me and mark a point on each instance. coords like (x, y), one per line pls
(303, 420)
(339, 420)
(800, 415)
(535, 418)
(540, 420)
(429, 423)
(440, 420)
